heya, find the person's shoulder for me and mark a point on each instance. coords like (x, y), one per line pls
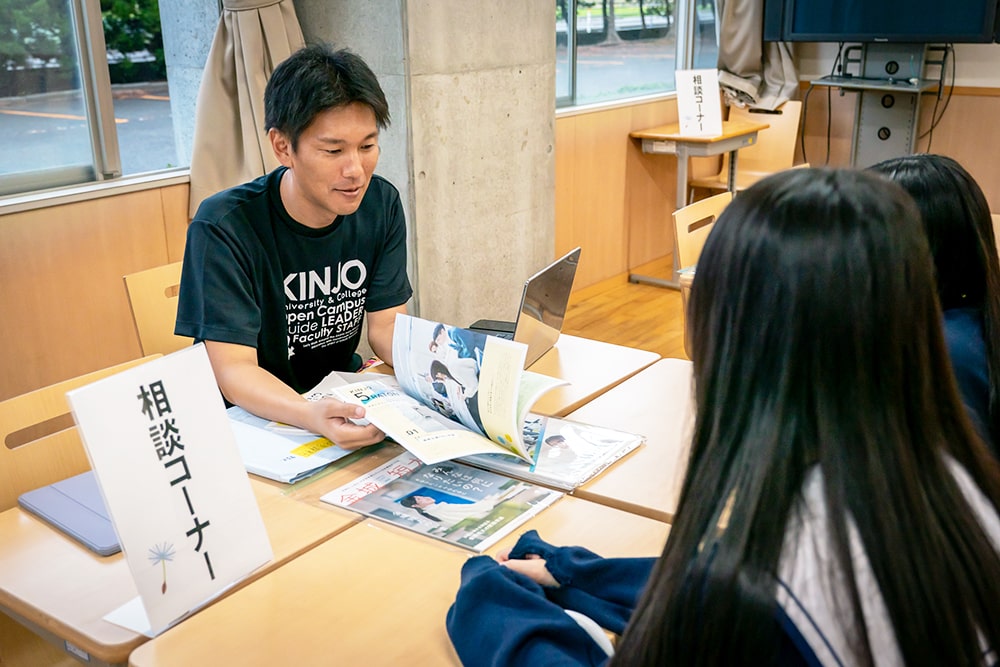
(964, 335)
(383, 187)
(223, 205)
(967, 317)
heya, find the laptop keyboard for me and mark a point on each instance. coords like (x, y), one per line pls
(504, 334)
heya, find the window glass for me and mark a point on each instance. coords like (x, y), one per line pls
(43, 117)
(617, 49)
(706, 40)
(624, 48)
(139, 90)
(71, 115)
(564, 49)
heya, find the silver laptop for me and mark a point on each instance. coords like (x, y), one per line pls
(543, 308)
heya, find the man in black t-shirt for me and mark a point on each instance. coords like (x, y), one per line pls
(280, 272)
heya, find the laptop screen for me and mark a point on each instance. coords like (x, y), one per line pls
(543, 305)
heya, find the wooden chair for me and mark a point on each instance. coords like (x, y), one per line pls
(692, 225)
(152, 296)
(773, 152)
(39, 443)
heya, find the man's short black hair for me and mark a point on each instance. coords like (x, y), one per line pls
(314, 79)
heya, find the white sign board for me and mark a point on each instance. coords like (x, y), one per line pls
(166, 461)
(699, 107)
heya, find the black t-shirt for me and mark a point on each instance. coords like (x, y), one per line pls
(254, 276)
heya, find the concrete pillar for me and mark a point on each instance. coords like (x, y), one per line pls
(188, 28)
(373, 29)
(471, 87)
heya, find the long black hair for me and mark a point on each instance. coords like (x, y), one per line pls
(959, 228)
(817, 346)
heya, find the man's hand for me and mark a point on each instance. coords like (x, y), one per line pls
(331, 419)
(249, 386)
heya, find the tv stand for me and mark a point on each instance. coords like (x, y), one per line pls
(887, 113)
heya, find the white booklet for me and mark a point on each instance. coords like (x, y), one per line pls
(458, 392)
(288, 453)
(285, 454)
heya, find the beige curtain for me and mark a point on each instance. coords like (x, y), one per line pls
(230, 144)
(753, 72)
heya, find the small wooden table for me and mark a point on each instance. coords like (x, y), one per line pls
(62, 591)
(667, 140)
(373, 595)
(591, 367)
(657, 403)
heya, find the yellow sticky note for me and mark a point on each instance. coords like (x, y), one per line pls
(311, 447)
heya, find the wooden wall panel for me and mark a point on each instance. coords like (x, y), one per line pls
(967, 131)
(566, 234)
(599, 166)
(652, 187)
(609, 196)
(840, 110)
(61, 290)
(175, 219)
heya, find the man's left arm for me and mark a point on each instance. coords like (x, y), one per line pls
(380, 326)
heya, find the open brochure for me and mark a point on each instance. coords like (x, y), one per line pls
(459, 392)
(564, 454)
(459, 504)
(283, 454)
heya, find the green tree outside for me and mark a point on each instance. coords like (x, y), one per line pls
(42, 29)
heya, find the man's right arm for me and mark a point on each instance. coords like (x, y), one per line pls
(244, 383)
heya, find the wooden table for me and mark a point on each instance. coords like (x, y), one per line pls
(668, 140)
(591, 368)
(62, 591)
(658, 404)
(373, 595)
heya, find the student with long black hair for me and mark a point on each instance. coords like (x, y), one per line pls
(838, 507)
(959, 229)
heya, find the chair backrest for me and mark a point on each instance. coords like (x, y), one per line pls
(693, 223)
(39, 443)
(775, 147)
(152, 295)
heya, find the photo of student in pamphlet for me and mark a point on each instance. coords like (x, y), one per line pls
(459, 504)
(461, 397)
(474, 382)
(444, 507)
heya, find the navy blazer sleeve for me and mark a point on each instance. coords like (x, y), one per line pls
(501, 617)
(605, 589)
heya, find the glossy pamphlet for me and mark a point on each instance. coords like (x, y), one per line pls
(563, 453)
(457, 392)
(462, 505)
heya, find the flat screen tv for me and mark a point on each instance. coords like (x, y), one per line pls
(913, 21)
